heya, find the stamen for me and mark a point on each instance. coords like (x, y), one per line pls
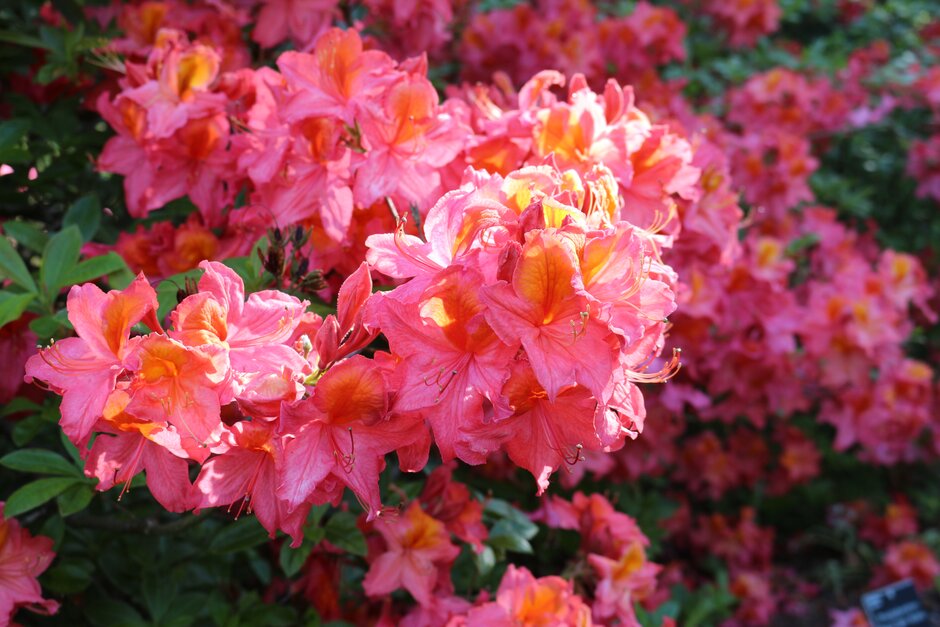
(347, 461)
(668, 371)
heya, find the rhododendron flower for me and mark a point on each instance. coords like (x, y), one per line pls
(343, 430)
(453, 362)
(85, 369)
(179, 385)
(253, 333)
(299, 21)
(622, 582)
(909, 559)
(23, 558)
(524, 600)
(544, 309)
(417, 547)
(924, 165)
(451, 503)
(127, 445)
(17, 345)
(246, 470)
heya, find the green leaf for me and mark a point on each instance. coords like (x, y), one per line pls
(186, 609)
(21, 39)
(241, 535)
(159, 594)
(111, 613)
(506, 535)
(35, 493)
(85, 213)
(485, 560)
(70, 575)
(12, 266)
(48, 326)
(12, 133)
(293, 559)
(18, 405)
(59, 259)
(25, 430)
(12, 305)
(96, 267)
(71, 449)
(341, 530)
(29, 234)
(39, 461)
(75, 499)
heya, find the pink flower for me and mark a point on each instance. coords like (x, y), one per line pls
(126, 445)
(22, 559)
(342, 433)
(622, 582)
(254, 333)
(299, 21)
(84, 369)
(417, 548)
(452, 362)
(247, 470)
(524, 600)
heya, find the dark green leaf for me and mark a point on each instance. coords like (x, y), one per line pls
(20, 39)
(293, 559)
(341, 530)
(70, 575)
(34, 494)
(12, 266)
(19, 405)
(48, 326)
(40, 462)
(96, 267)
(12, 133)
(12, 305)
(184, 611)
(112, 613)
(59, 259)
(26, 233)
(85, 213)
(159, 594)
(25, 430)
(240, 535)
(75, 499)
(506, 535)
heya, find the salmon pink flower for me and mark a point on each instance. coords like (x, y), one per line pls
(544, 308)
(451, 503)
(623, 582)
(407, 141)
(84, 369)
(524, 600)
(247, 471)
(453, 364)
(417, 548)
(23, 558)
(343, 432)
(127, 445)
(337, 79)
(909, 559)
(299, 21)
(544, 433)
(179, 385)
(254, 333)
(179, 89)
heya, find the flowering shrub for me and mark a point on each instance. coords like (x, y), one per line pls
(379, 301)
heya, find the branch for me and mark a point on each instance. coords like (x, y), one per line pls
(147, 526)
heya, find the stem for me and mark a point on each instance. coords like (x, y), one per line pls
(147, 526)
